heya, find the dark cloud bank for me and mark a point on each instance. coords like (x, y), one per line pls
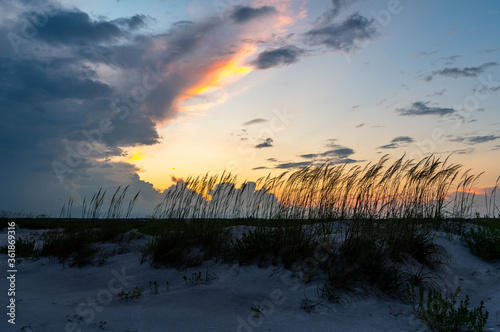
(63, 124)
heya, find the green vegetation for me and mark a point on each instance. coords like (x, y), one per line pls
(483, 238)
(131, 294)
(441, 314)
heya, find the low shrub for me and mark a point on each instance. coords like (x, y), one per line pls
(441, 314)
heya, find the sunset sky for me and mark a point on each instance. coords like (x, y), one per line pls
(106, 93)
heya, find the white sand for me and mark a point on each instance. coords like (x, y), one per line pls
(51, 298)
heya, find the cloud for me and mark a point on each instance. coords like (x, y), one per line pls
(292, 165)
(328, 16)
(425, 53)
(245, 14)
(254, 121)
(403, 139)
(338, 153)
(344, 36)
(333, 154)
(450, 59)
(437, 93)
(75, 27)
(397, 142)
(472, 140)
(421, 108)
(456, 72)
(83, 90)
(268, 142)
(309, 155)
(279, 57)
(487, 51)
(483, 89)
(360, 125)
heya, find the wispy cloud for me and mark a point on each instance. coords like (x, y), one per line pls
(421, 108)
(267, 143)
(397, 142)
(278, 57)
(243, 14)
(437, 93)
(425, 53)
(343, 36)
(472, 140)
(456, 72)
(254, 121)
(292, 165)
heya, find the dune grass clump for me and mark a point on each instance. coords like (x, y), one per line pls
(483, 239)
(75, 248)
(287, 244)
(24, 249)
(376, 255)
(186, 244)
(75, 244)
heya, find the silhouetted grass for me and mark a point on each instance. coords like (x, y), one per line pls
(184, 244)
(281, 245)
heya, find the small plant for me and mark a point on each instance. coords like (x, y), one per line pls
(131, 294)
(153, 287)
(257, 310)
(440, 313)
(309, 305)
(194, 279)
(24, 248)
(210, 276)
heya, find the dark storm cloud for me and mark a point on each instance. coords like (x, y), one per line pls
(268, 142)
(278, 57)
(33, 80)
(422, 108)
(254, 121)
(134, 22)
(343, 36)
(74, 27)
(456, 72)
(244, 14)
(62, 121)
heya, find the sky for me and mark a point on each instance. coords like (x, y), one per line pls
(108, 93)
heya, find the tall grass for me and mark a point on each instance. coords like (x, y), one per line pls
(93, 209)
(405, 189)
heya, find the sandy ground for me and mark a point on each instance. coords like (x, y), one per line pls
(50, 297)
